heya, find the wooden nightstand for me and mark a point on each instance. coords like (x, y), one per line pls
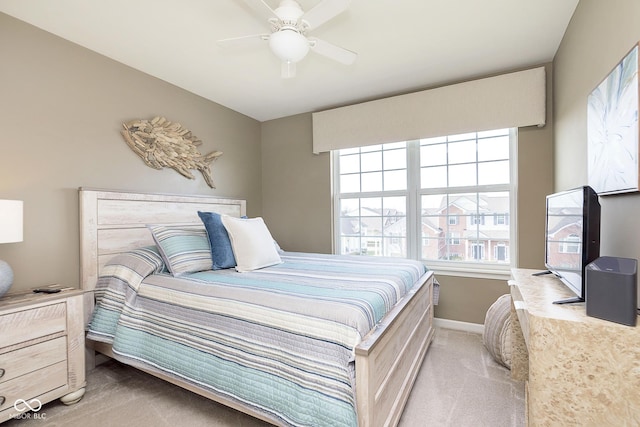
(41, 350)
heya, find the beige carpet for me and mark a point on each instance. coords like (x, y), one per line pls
(459, 385)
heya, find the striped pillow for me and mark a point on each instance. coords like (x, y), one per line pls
(184, 249)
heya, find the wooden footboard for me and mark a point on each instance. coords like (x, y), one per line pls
(389, 358)
(387, 362)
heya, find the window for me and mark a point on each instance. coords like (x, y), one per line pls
(477, 219)
(444, 200)
(453, 239)
(570, 244)
(373, 200)
(501, 219)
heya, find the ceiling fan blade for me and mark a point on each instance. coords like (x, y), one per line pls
(324, 11)
(262, 8)
(331, 51)
(253, 40)
(288, 70)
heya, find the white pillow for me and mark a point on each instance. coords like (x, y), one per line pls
(252, 243)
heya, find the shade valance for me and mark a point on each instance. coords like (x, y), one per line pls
(509, 100)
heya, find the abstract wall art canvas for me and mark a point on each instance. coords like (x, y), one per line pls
(612, 130)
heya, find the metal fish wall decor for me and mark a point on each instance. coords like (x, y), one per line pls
(161, 143)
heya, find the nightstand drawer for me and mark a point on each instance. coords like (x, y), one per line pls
(28, 324)
(33, 384)
(19, 362)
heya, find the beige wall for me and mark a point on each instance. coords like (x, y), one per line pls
(297, 204)
(535, 182)
(61, 109)
(296, 186)
(598, 37)
(62, 105)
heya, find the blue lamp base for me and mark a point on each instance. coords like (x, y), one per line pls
(6, 277)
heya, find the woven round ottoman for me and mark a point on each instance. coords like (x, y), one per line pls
(497, 330)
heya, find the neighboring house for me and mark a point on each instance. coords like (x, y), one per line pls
(565, 242)
(460, 230)
(474, 229)
(363, 231)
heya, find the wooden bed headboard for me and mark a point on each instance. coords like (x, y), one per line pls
(112, 222)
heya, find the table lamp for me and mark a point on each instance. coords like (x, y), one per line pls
(10, 232)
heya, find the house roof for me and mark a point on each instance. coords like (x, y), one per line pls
(469, 205)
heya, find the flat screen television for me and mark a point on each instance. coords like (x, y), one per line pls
(572, 237)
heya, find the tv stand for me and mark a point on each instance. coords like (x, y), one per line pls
(569, 300)
(578, 369)
(562, 301)
(541, 273)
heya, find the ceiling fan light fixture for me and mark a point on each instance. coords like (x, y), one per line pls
(289, 11)
(289, 25)
(289, 45)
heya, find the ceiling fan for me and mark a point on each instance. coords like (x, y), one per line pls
(289, 26)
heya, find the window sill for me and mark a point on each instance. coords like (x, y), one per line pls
(497, 273)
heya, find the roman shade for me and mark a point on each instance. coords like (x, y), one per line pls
(509, 100)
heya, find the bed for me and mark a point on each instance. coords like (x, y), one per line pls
(189, 329)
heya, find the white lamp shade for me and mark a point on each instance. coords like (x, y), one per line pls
(10, 221)
(289, 45)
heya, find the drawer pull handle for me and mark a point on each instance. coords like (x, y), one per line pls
(2, 371)
(2, 399)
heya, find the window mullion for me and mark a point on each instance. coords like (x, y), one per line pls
(414, 229)
(335, 200)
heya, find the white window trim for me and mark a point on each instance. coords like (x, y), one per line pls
(459, 269)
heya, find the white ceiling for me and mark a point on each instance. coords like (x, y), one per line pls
(402, 45)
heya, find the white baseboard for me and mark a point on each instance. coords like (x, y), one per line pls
(476, 328)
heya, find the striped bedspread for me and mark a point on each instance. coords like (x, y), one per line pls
(280, 340)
